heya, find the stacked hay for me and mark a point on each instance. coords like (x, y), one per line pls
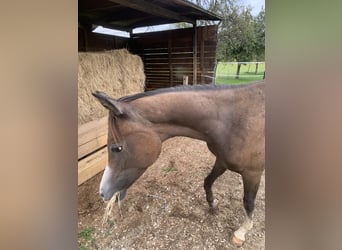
(116, 72)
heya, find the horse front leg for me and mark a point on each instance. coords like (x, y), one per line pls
(217, 170)
(251, 181)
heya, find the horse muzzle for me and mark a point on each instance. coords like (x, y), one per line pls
(120, 197)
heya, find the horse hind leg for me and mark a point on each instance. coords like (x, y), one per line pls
(217, 170)
(251, 181)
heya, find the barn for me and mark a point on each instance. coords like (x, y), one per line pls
(170, 57)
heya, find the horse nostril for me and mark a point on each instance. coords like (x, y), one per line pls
(102, 195)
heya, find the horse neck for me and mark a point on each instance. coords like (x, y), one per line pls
(176, 114)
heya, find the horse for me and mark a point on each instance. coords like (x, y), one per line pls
(229, 118)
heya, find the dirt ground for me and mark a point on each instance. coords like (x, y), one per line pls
(166, 208)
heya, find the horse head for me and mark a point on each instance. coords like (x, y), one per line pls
(132, 146)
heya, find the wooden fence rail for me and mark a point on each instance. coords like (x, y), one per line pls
(92, 150)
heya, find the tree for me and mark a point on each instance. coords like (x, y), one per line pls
(241, 37)
(237, 37)
(260, 37)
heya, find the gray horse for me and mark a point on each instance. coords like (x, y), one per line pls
(231, 119)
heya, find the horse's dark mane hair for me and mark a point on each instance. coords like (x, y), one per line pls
(181, 88)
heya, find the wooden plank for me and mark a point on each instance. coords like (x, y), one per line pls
(185, 71)
(181, 49)
(91, 165)
(157, 71)
(154, 50)
(182, 42)
(156, 55)
(183, 60)
(161, 74)
(158, 80)
(156, 66)
(182, 55)
(92, 145)
(92, 136)
(83, 130)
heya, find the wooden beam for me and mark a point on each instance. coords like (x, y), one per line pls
(194, 57)
(209, 15)
(202, 55)
(153, 9)
(91, 165)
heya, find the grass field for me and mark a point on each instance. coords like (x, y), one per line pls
(225, 73)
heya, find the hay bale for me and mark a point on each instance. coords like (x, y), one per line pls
(116, 72)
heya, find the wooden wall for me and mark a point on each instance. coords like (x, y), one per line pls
(168, 56)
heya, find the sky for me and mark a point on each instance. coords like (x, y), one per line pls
(255, 4)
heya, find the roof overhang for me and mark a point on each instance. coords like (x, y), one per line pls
(127, 15)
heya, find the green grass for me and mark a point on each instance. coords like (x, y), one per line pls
(86, 234)
(169, 169)
(225, 73)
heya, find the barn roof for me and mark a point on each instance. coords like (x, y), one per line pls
(129, 14)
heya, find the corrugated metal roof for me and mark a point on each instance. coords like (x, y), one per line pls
(129, 14)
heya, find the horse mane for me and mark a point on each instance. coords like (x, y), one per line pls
(182, 88)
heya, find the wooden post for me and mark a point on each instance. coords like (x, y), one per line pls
(185, 80)
(202, 56)
(214, 75)
(194, 66)
(169, 44)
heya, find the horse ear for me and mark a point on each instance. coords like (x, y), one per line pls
(109, 103)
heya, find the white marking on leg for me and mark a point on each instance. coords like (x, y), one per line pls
(244, 228)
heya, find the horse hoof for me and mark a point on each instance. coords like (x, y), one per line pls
(213, 204)
(213, 208)
(237, 242)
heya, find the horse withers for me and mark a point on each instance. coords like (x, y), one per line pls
(231, 119)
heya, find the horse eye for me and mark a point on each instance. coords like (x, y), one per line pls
(116, 148)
